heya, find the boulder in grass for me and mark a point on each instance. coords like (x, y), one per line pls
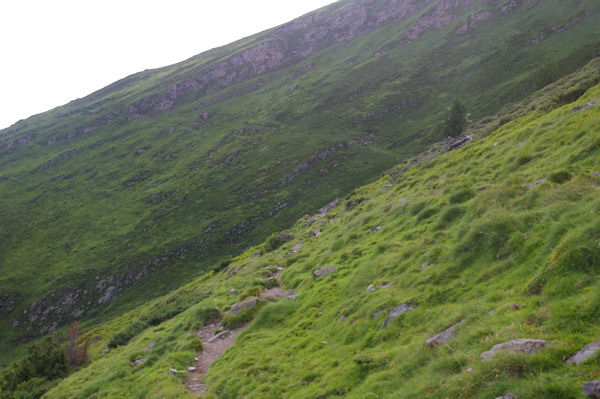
(324, 271)
(585, 353)
(397, 311)
(443, 337)
(238, 307)
(521, 345)
(592, 389)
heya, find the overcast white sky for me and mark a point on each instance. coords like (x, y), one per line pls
(54, 51)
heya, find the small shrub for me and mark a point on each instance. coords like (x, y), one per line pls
(560, 177)
(462, 195)
(206, 315)
(236, 320)
(449, 215)
(274, 313)
(277, 240)
(195, 344)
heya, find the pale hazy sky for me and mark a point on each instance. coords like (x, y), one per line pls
(54, 51)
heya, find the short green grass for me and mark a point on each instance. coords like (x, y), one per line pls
(530, 255)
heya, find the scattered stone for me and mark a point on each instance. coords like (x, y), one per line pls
(342, 317)
(324, 342)
(536, 183)
(221, 335)
(377, 314)
(424, 265)
(293, 297)
(522, 345)
(596, 174)
(370, 288)
(585, 106)
(324, 271)
(397, 311)
(150, 345)
(238, 307)
(507, 396)
(385, 285)
(173, 371)
(454, 143)
(592, 389)
(377, 228)
(585, 353)
(196, 359)
(386, 186)
(195, 387)
(138, 362)
(325, 210)
(232, 291)
(296, 247)
(191, 369)
(443, 337)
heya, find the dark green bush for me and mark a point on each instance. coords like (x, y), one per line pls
(236, 320)
(462, 195)
(195, 344)
(560, 177)
(450, 214)
(277, 240)
(124, 336)
(206, 315)
(427, 213)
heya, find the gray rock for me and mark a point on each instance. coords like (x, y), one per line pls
(585, 106)
(330, 206)
(238, 307)
(507, 396)
(386, 186)
(195, 387)
(384, 286)
(324, 271)
(173, 371)
(138, 362)
(585, 353)
(596, 174)
(592, 389)
(232, 291)
(443, 337)
(370, 288)
(342, 317)
(521, 345)
(536, 183)
(221, 335)
(377, 314)
(424, 265)
(191, 369)
(397, 311)
(150, 345)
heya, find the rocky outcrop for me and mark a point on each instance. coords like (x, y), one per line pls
(521, 345)
(238, 307)
(443, 337)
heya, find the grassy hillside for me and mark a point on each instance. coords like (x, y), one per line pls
(499, 238)
(126, 194)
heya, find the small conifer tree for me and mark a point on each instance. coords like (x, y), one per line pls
(457, 120)
(547, 72)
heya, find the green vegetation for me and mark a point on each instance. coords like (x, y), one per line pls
(547, 72)
(118, 198)
(465, 238)
(457, 119)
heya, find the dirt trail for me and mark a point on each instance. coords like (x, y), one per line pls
(213, 346)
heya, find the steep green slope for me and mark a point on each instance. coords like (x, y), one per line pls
(141, 186)
(500, 239)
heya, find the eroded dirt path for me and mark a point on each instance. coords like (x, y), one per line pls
(213, 348)
(214, 345)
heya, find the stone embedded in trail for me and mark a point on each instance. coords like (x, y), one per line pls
(324, 271)
(592, 389)
(238, 307)
(191, 369)
(521, 345)
(397, 311)
(443, 337)
(221, 335)
(297, 246)
(585, 353)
